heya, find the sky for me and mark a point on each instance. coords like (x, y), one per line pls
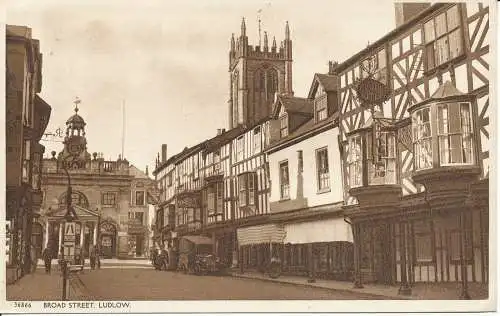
(166, 62)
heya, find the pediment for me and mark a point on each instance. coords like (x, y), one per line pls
(80, 212)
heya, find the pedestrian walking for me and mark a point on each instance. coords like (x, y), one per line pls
(47, 259)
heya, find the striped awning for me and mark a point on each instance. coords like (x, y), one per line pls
(270, 233)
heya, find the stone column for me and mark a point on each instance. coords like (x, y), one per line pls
(82, 238)
(95, 234)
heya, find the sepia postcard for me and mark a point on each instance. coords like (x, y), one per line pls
(249, 156)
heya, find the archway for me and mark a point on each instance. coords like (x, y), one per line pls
(108, 239)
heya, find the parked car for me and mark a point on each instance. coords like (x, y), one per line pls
(196, 256)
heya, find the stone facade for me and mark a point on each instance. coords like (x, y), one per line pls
(114, 192)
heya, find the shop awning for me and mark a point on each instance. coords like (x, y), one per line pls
(270, 233)
(326, 230)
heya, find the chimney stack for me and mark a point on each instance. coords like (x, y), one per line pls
(405, 11)
(163, 153)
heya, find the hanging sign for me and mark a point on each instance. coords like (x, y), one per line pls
(372, 91)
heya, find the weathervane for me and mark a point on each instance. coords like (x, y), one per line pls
(76, 102)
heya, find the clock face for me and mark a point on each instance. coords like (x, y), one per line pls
(74, 148)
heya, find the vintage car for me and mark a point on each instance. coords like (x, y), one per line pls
(196, 256)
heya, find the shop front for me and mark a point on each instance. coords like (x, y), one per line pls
(136, 236)
(108, 239)
(258, 244)
(324, 246)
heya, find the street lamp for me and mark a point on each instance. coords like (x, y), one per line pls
(68, 217)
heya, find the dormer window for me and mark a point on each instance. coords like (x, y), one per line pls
(284, 126)
(321, 109)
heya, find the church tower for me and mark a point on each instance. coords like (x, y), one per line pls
(256, 74)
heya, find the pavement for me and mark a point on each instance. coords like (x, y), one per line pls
(420, 291)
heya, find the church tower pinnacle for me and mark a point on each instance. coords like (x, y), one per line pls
(256, 74)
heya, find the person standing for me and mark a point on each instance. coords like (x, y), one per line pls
(92, 255)
(47, 259)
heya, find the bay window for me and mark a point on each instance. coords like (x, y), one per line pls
(382, 161)
(454, 133)
(422, 138)
(452, 136)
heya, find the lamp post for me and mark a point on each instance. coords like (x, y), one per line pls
(68, 217)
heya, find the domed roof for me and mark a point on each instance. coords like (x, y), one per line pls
(76, 121)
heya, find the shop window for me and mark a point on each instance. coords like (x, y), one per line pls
(247, 188)
(455, 244)
(323, 173)
(354, 161)
(443, 38)
(284, 181)
(422, 138)
(108, 198)
(455, 134)
(424, 247)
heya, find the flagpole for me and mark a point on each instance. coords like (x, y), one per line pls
(123, 128)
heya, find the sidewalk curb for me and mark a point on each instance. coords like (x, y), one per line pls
(313, 285)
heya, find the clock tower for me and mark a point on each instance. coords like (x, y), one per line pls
(74, 154)
(256, 74)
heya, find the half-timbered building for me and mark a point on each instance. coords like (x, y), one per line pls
(414, 133)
